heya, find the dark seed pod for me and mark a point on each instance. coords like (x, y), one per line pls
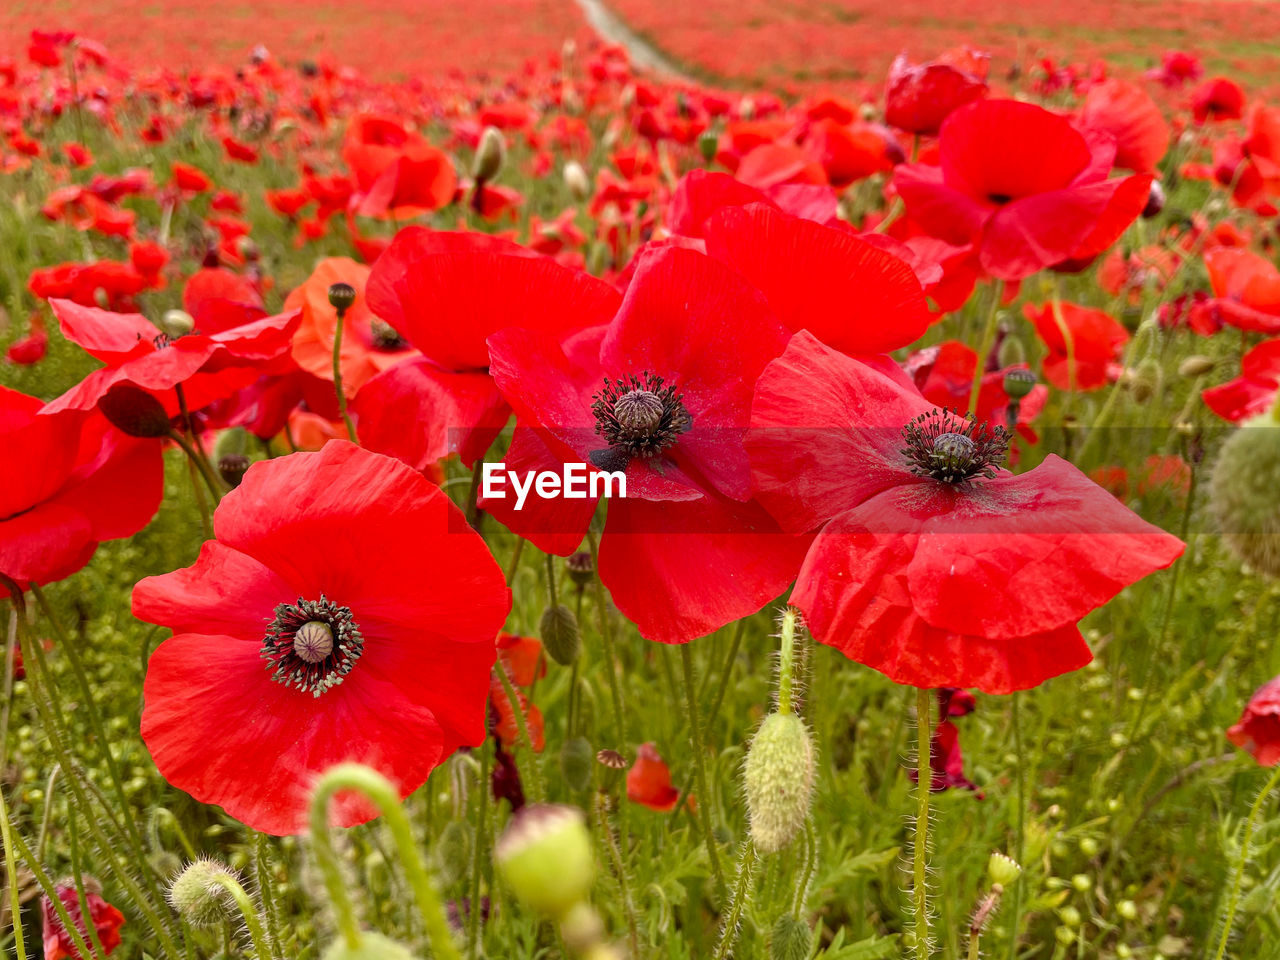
(134, 411)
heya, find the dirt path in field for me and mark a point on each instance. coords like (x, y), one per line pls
(615, 30)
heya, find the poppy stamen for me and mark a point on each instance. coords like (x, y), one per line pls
(311, 645)
(385, 336)
(639, 416)
(952, 448)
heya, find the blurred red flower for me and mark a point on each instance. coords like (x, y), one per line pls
(397, 172)
(106, 919)
(357, 655)
(1096, 343)
(649, 781)
(919, 97)
(74, 481)
(1254, 391)
(1258, 729)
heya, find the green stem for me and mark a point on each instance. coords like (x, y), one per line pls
(786, 658)
(472, 511)
(481, 834)
(732, 922)
(1233, 899)
(985, 344)
(266, 893)
(11, 877)
(10, 648)
(620, 870)
(1018, 841)
(354, 776)
(247, 909)
(606, 634)
(699, 766)
(514, 566)
(723, 685)
(202, 465)
(337, 377)
(920, 845)
(513, 698)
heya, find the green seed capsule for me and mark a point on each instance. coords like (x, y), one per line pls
(779, 779)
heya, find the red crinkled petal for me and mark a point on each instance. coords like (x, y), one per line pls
(220, 729)
(846, 292)
(112, 338)
(700, 326)
(826, 433)
(853, 591)
(419, 413)
(683, 570)
(448, 297)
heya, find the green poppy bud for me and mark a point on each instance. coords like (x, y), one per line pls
(708, 143)
(559, 632)
(544, 856)
(1242, 493)
(490, 155)
(341, 297)
(791, 939)
(1195, 366)
(1019, 382)
(780, 772)
(576, 763)
(453, 851)
(197, 896)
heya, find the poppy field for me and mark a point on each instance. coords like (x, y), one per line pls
(493, 501)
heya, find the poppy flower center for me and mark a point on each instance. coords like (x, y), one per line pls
(952, 448)
(639, 416)
(384, 336)
(311, 645)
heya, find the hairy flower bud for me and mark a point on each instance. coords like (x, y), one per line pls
(1146, 380)
(577, 181)
(559, 632)
(780, 771)
(453, 851)
(1195, 366)
(581, 567)
(708, 144)
(490, 155)
(197, 896)
(1242, 495)
(544, 856)
(791, 939)
(576, 762)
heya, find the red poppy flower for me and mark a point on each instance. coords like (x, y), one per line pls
(445, 293)
(919, 97)
(75, 482)
(666, 398)
(190, 179)
(397, 172)
(522, 657)
(1258, 730)
(850, 152)
(1096, 342)
(1246, 288)
(649, 781)
(1020, 183)
(505, 726)
(1254, 391)
(1126, 111)
(1176, 68)
(939, 567)
(239, 151)
(149, 259)
(700, 194)
(1217, 99)
(369, 345)
(381, 608)
(31, 348)
(106, 919)
(137, 355)
(847, 292)
(219, 299)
